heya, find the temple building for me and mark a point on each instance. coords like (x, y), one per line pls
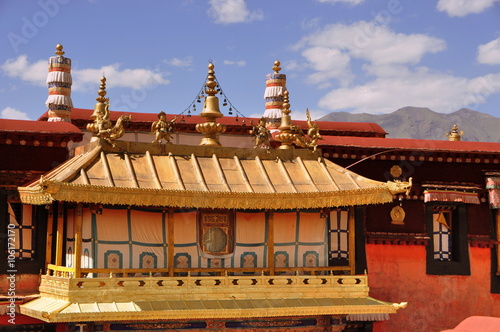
(192, 222)
(436, 246)
(210, 235)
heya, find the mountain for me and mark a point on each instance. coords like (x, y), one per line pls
(422, 123)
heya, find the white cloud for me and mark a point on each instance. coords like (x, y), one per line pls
(330, 51)
(373, 42)
(240, 63)
(489, 53)
(232, 11)
(187, 62)
(126, 78)
(350, 2)
(310, 24)
(14, 114)
(388, 74)
(36, 73)
(328, 63)
(420, 87)
(460, 8)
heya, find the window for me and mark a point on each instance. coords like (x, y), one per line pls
(447, 252)
(216, 233)
(442, 234)
(339, 237)
(21, 223)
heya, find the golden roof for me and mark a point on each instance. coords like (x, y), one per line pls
(52, 310)
(194, 297)
(148, 174)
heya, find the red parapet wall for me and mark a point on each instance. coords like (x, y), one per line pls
(435, 303)
(25, 284)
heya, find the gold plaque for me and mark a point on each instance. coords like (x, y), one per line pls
(396, 171)
(397, 215)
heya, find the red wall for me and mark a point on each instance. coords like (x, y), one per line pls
(26, 284)
(397, 274)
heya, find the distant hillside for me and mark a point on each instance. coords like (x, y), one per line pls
(422, 123)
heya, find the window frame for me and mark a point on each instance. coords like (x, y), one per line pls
(40, 219)
(442, 233)
(23, 226)
(226, 224)
(460, 262)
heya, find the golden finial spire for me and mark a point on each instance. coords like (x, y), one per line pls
(454, 134)
(286, 136)
(59, 51)
(276, 67)
(210, 84)
(286, 104)
(102, 126)
(102, 91)
(211, 129)
(100, 116)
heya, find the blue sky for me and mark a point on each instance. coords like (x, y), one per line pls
(339, 55)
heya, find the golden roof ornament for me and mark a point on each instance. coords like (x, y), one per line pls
(59, 50)
(313, 132)
(454, 134)
(287, 135)
(294, 134)
(262, 135)
(276, 67)
(102, 126)
(162, 128)
(313, 135)
(211, 129)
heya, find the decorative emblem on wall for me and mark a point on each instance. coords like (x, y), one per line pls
(396, 171)
(397, 215)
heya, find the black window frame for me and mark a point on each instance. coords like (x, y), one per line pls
(460, 261)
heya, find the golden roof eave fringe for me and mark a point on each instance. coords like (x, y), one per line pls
(57, 191)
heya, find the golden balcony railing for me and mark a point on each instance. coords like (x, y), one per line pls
(62, 271)
(118, 289)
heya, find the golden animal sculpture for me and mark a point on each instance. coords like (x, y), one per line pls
(313, 135)
(102, 125)
(313, 132)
